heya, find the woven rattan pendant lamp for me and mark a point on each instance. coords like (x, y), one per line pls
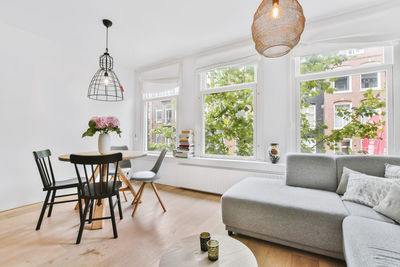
(277, 27)
(105, 85)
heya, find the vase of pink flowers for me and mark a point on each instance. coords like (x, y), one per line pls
(103, 125)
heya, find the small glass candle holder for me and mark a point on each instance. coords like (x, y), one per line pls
(213, 247)
(204, 238)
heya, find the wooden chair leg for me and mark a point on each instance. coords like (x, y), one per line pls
(123, 192)
(138, 200)
(119, 206)
(137, 195)
(91, 207)
(83, 218)
(158, 196)
(113, 217)
(53, 196)
(39, 223)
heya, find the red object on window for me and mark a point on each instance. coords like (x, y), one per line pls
(376, 146)
(122, 88)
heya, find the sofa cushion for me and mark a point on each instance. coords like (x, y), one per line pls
(301, 215)
(355, 209)
(311, 171)
(370, 165)
(370, 242)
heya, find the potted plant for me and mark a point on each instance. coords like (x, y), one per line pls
(103, 125)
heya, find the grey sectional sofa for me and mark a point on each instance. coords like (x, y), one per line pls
(305, 212)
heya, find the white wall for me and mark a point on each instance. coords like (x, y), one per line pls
(43, 104)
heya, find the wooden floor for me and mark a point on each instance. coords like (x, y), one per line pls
(141, 241)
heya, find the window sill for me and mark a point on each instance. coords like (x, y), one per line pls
(230, 164)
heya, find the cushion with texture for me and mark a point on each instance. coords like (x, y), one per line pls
(344, 180)
(390, 205)
(367, 190)
(360, 210)
(392, 171)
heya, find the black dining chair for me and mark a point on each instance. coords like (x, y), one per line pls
(106, 186)
(43, 162)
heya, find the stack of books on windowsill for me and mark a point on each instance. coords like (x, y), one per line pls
(186, 145)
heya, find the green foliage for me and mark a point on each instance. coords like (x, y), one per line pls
(229, 119)
(92, 130)
(169, 132)
(230, 76)
(315, 138)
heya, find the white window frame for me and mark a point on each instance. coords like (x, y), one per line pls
(349, 80)
(158, 110)
(165, 112)
(205, 91)
(315, 114)
(145, 134)
(373, 88)
(334, 113)
(387, 66)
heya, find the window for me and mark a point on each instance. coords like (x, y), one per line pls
(228, 111)
(344, 147)
(158, 115)
(338, 89)
(310, 114)
(168, 113)
(342, 84)
(340, 110)
(370, 81)
(160, 135)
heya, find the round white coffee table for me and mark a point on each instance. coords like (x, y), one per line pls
(187, 253)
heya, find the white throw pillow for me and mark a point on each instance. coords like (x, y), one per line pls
(390, 205)
(367, 190)
(341, 189)
(392, 171)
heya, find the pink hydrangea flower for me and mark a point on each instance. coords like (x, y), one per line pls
(101, 122)
(112, 122)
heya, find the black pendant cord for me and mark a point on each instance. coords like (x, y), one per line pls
(107, 40)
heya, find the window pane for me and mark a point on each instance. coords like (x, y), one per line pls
(369, 80)
(342, 59)
(229, 125)
(332, 123)
(161, 124)
(230, 76)
(342, 84)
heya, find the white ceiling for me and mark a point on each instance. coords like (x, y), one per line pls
(145, 32)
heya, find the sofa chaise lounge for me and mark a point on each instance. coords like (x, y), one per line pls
(305, 212)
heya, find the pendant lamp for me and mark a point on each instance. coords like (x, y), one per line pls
(277, 27)
(105, 85)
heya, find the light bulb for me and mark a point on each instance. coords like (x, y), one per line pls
(276, 11)
(106, 78)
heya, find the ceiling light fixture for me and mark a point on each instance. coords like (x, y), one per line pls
(105, 85)
(277, 27)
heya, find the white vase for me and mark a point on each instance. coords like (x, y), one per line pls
(104, 143)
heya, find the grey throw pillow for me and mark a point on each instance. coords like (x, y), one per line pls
(341, 189)
(367, 190)
(392, 171)
(390, 205)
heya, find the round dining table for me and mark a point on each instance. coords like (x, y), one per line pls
(126, 155)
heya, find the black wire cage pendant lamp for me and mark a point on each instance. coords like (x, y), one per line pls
(105, 85)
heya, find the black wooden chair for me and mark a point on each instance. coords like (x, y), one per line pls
(106, 186)
(42, 159)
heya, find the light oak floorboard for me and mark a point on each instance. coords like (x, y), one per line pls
(141, 240)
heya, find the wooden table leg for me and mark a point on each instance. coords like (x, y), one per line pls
(126, 182)
(99, 209)
(94, 175)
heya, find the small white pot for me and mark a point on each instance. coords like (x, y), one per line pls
(104, 143)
